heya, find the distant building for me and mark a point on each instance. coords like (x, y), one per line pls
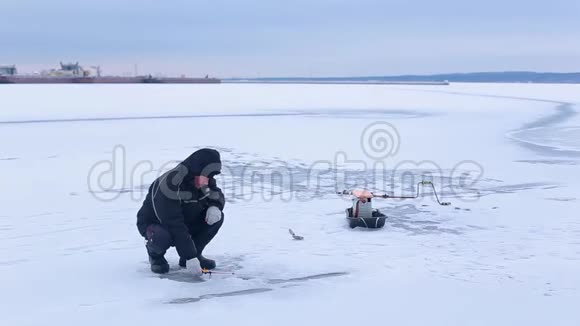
(8, 70)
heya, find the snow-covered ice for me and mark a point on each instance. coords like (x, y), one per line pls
(76, 161)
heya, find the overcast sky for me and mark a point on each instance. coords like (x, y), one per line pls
(229, 38)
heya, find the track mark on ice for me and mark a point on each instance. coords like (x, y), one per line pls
(307, 278)
(219, 295)
(562, 198)
(284, 283)
(549, 162)
(13, 262)
(525, 135)
(191, 116)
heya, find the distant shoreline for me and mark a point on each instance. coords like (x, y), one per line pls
(438, 79)
(334, 82)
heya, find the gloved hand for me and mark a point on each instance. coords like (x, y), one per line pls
(213, 215)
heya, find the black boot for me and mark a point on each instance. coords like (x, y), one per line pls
(206, 263)
(158, 263)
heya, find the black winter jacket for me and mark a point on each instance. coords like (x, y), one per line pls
(174, 202)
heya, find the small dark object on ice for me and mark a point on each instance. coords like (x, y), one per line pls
(294, 236)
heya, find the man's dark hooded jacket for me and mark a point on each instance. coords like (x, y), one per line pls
(175, 203)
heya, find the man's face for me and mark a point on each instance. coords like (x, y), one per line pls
(200, 181)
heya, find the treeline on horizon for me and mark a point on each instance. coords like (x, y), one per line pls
(476, 77)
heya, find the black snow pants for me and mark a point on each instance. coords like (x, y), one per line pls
(159, 239)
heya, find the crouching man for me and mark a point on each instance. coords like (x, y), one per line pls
(183, 209)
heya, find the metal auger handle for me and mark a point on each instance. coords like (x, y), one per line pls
(421, 183)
